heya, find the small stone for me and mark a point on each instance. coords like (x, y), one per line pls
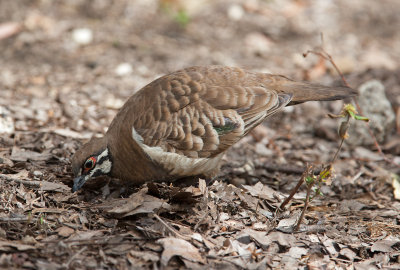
(377, 108)
(37, 173)
(258, 43)
(235, 12)
(123, 69)
(82, 36)
(6, 121)
(262, 150)
(113, 102)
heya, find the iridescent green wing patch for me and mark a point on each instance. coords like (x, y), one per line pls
(227, 128)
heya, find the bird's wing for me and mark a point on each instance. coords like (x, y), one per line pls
(200, 112)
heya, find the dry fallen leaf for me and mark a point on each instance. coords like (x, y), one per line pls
(179, 247)
(396, 186)
(19, 154)
(147, 256)
(261, 191)
(137, 203)
(86, 235)
(65, 231)
(383, 245)
(12, 246)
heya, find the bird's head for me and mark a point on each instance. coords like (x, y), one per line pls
(91, 160)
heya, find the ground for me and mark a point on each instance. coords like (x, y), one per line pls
(68, 66)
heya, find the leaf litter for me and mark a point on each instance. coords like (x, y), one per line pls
(49, 109)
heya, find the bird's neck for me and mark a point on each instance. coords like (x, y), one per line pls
(130, 162)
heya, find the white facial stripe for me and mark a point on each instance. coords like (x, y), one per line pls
(103, 154)
(104, 167)
(177, 164)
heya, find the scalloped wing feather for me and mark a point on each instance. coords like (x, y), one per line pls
(201, 112)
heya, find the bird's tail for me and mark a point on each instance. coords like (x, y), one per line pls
(305, 91)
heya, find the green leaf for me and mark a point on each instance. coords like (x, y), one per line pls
(182, 18)
(319, 192)
(349, 108)
(310, 179)
(325, 174)
(362, 118)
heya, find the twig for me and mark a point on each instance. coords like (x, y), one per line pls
(184, 237)
(303, 212)
(343, 134)
(296, 188)
(329, 58)
(284, 169)
(44, 185)
(200, 221)
(14, 219)
(204, 200)
(25, 182)
(66, 265)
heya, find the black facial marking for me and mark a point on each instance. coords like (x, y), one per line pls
(102, 159)
(97, 173)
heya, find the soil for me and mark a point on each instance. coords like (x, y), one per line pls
(68, 66)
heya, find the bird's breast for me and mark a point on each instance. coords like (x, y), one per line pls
(176, 164)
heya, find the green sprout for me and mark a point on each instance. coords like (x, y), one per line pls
(182, 18)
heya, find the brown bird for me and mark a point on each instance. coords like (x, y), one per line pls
(181, 124)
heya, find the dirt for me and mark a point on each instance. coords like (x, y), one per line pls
(58, 89)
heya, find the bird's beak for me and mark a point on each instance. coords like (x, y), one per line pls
(79, 182)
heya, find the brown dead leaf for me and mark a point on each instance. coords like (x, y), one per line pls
(202, 186)
(384, 245)
(261, 191)
(260, 237)
(86, 235)
(51, 186)
(72, 134)
(8, 246)
(149, 205)
(65, 231)
(122, 206)
(330, 246)
(144, 255)
(43, 185)
(137, 203)
(348, 253)
(283, 239)
(183, 197)
(287, 224)
(19, 154)
(179, 247)
(297, 252)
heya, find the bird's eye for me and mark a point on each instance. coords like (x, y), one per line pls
(89, 164)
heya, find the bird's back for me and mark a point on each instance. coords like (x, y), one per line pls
(190, 117)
